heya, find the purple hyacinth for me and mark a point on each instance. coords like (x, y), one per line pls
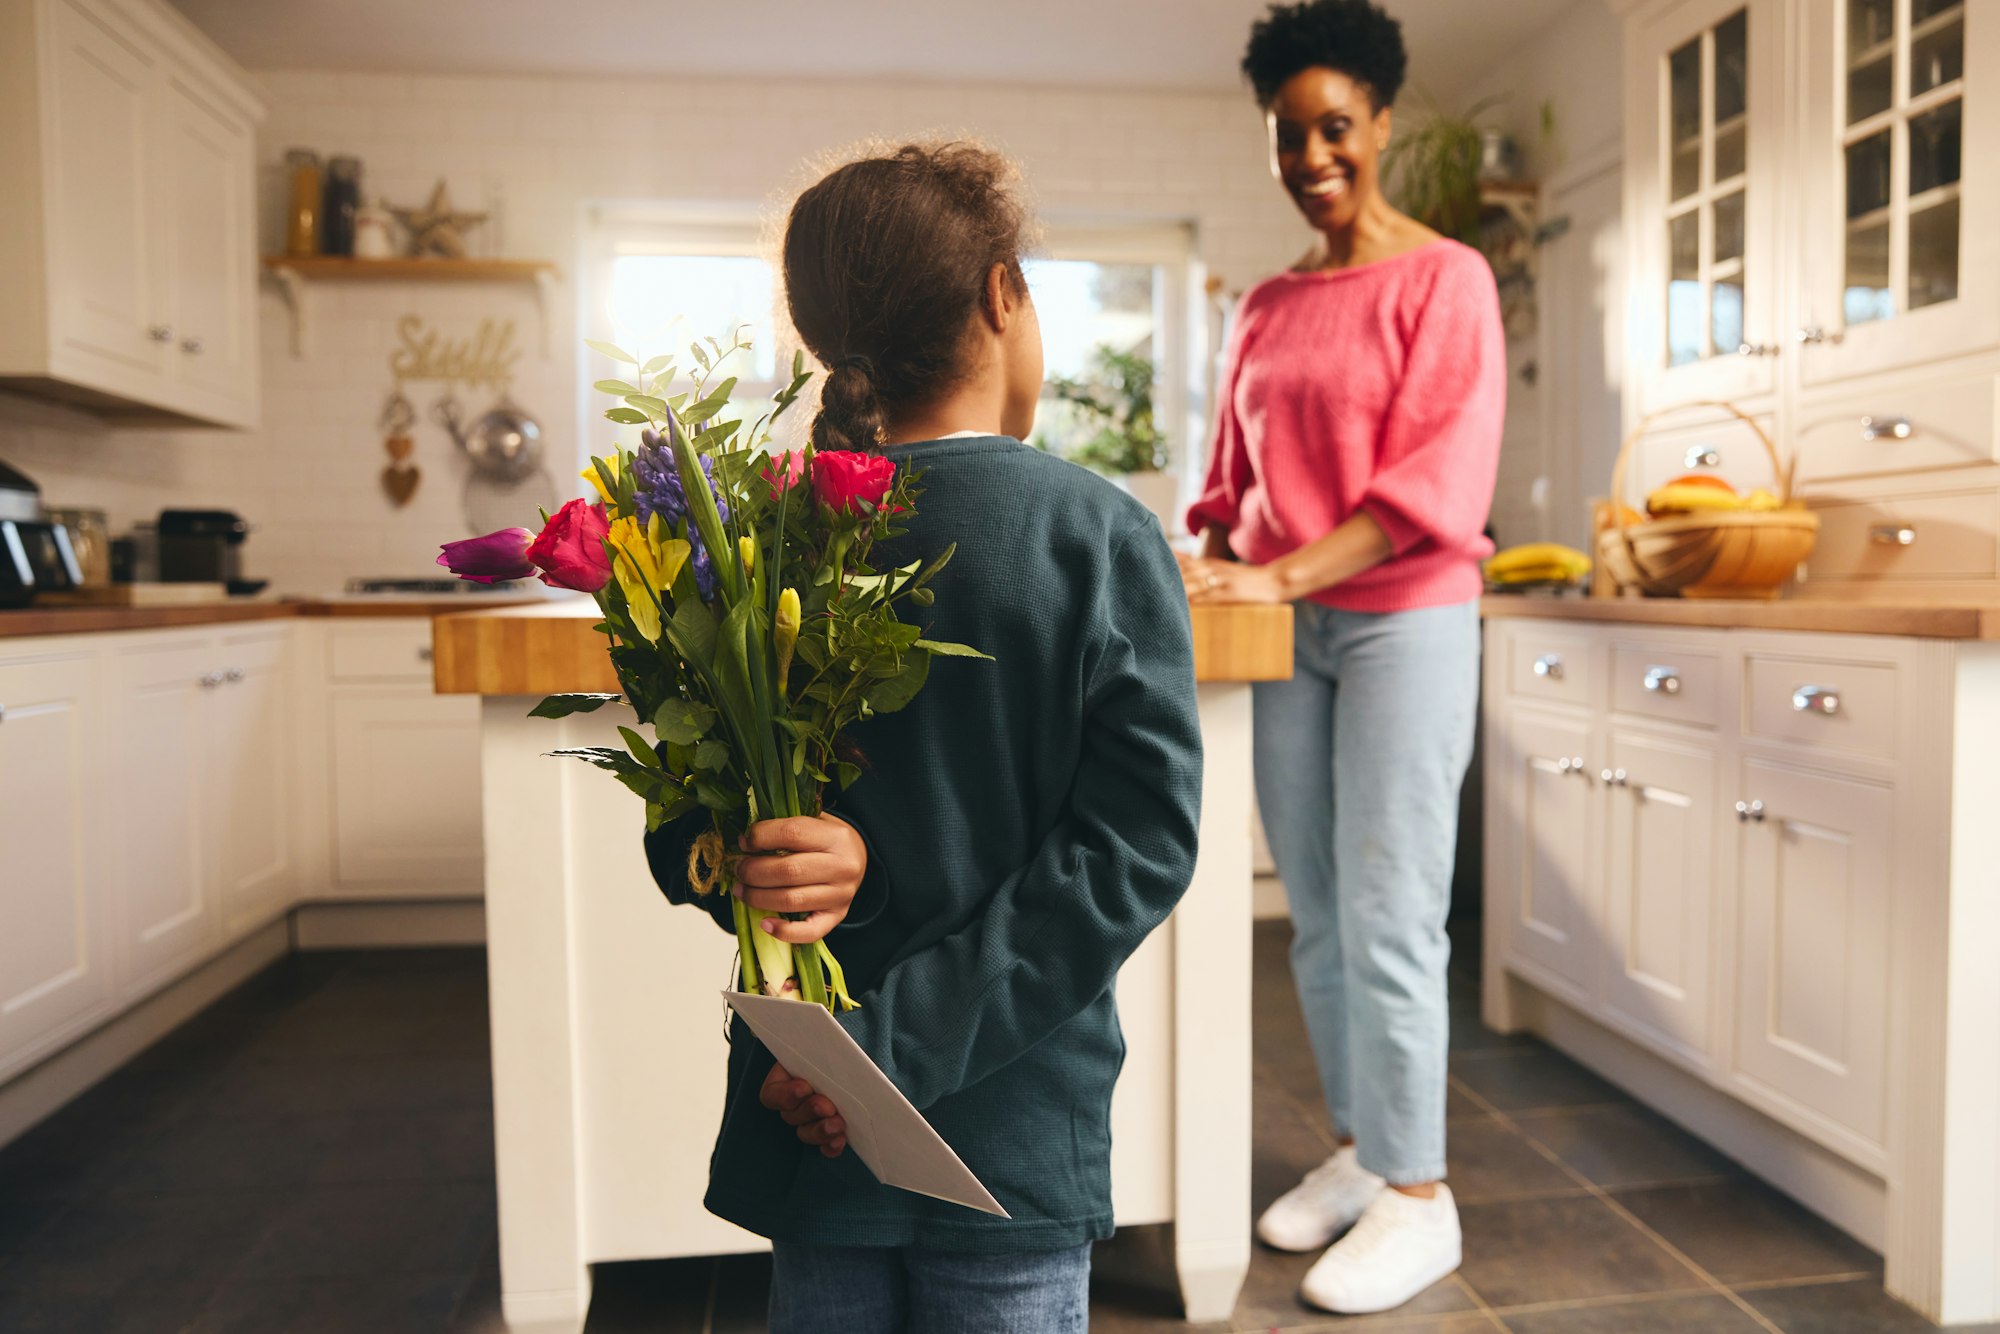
(657, 490)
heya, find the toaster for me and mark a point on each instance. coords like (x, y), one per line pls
(35, 557)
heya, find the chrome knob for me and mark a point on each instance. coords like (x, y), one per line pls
(191, 346)
(211, 680)
(1576, 766)
(233, 675)
(1893, 535)
(1816, 699)
(1814, 334)
(1701, 456)
(160, 333)
(3, 713)
(1887, 428)
(425, 653)
(1756, 349)
(1563, 765)
(1750, 810)
(1614, 777)
(1549, 665)
(1663, 680)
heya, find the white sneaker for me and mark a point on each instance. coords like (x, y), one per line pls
(1321, 1207)
(1401, 1246)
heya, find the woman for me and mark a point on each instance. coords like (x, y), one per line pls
(1027, 821)
(1352, 473)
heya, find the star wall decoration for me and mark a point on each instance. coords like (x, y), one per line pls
(437, 228)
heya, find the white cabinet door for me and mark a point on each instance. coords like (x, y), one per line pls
(159, 768)
(104, 284)
(205, 166)
(1900, 186)
(1551, 809)
(406, 792)
(1659, 891)
(55, 970)
(249, 757)
(1705, 120)
(1813, 946)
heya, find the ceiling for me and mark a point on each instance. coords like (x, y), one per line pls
(1161, 44)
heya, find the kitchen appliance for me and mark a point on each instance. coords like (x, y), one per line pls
(35, 557)
(201, 546)
(90, 540)
(19, 497)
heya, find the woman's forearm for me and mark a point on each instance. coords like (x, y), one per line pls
(1357, 544)
(1215, 543)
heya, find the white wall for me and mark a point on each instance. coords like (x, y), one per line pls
(537, 149)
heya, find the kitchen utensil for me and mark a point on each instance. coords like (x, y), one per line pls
(491, 504)
(201, 546)
(506, 443)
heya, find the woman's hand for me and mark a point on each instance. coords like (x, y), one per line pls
(1230, 581)
(813, 1114)
(805, 864)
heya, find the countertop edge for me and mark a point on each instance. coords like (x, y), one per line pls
(47, 622)
(1917, 620)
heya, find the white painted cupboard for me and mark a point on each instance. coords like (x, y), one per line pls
(127, 240)
(1751, 874)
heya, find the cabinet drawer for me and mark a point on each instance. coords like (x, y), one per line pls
(1667, 682)
(1898, 430)
(1839, 705)
(1912, 537)
(392, 650)
(1553, 667)
(1728, 449)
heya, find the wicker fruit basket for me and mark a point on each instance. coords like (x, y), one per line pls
(1711, 553)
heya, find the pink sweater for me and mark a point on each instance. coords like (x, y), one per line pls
(1377, 388)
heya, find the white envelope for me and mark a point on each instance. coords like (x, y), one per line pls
(891, 1137)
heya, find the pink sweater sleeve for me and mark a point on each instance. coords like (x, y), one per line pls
(1440, 446)
(1229, 473)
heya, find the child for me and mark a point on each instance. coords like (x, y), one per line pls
(1018, 829)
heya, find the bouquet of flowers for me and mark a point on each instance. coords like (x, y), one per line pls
(747, 627)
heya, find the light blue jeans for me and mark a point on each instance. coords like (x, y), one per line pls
(914, 1290)
(1359, 761)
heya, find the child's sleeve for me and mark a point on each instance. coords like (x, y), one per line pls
(1056, 931)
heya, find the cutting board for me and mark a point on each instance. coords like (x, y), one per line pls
(135, 595)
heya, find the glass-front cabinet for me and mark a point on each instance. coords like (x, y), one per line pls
(1704, 104)
(1901, 238)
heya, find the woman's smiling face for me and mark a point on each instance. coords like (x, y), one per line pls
(1326, 144)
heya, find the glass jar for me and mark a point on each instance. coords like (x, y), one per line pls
(341, 202)
(302, 225)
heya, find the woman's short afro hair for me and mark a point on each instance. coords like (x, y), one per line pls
(1352, 36)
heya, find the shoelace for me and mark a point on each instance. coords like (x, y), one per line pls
(1372, 1232)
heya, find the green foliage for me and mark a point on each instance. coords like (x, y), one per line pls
(1433, 168)
(1118, 397)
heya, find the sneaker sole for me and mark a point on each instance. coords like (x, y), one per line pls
(1443, 1272)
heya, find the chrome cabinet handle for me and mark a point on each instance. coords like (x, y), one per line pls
(1756, 349)
(1816, 699)
(426, 653)
(3, 713)
(191, 346)
(1614, 777)
(1549, 665)
(1701, 456)
(1814, 334)
(1887, 428)
(1893, 535)
(233, 675)
(160, 333)
(1663, 680)
(1563, 765)
(210, 680)
(1750, 810)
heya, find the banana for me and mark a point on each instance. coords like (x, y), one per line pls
(1537, 562)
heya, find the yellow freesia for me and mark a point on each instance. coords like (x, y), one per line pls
(590, 475)
(785, 633)
(646, 567)
(747, 548)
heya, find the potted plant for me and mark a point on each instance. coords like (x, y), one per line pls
(1111, 410)
(1435, 167)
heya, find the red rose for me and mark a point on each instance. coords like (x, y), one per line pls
(842, 476)
(570, 550)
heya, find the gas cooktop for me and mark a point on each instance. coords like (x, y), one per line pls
(432, 587)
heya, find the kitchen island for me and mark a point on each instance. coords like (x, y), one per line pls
(608, 1033)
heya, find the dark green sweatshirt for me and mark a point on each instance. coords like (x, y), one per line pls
(1029, 820)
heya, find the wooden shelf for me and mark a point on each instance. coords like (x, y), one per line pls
(294, 273)
(344, 268)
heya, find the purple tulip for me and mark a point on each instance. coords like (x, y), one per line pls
(491, 559)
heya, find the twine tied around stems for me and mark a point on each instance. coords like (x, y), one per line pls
(706, 862)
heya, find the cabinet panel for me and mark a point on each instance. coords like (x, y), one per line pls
(205, 193)
(1554, 666)
(406, 791)
(159, 770)
(104, 272)
(1821, 702)
(1659, 891)
(1813, 932)
(387, 650)
(249, 764)
(1948, 536)
(1671, 682)
(1552, 812)
(1906, 427)
(54, 964)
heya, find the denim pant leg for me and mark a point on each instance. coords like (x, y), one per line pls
(854, 1289)
(1409, 689)
(1034, 1292)
(1293, 723)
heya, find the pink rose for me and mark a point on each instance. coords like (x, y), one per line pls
(785, 471)
(570, 550)
(842, 476)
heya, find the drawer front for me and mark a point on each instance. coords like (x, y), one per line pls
(388, 650)
(1899, 430)
(1552, 666)
(1847, 706)
(1728, 449)
(1667, 682)
(1911, 537)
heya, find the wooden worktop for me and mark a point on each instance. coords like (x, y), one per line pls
(23, 621)
(1922, 620)
(552, 649)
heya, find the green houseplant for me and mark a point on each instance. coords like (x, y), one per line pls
(1116, 399)
(1433, 168)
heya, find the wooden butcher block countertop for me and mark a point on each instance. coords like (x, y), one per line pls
(1921, 620)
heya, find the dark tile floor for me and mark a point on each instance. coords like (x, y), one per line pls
(313, 1155)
